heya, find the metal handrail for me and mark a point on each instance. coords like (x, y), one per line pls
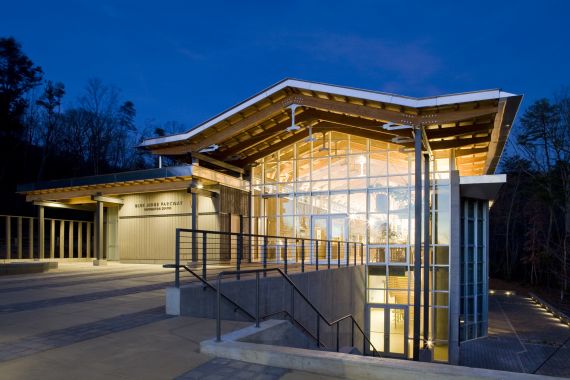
(237, 306)
(288, 279)
(358, 248)
(306, 330)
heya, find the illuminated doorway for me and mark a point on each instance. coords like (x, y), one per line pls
(388, 327)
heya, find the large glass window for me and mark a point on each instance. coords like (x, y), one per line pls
(363, 190)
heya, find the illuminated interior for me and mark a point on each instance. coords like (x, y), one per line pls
(337, 186)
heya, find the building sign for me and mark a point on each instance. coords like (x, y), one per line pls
(159, 206)
(156, 204)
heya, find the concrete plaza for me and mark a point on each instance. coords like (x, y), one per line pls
(523, 337)
(87, 322)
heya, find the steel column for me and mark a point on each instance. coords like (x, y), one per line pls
(417, 239)
(426, 248)
(195, 226)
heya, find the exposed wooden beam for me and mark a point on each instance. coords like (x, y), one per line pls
(471, 151)
(100, 198)
(442, 133)
(454, 116)
(216, 162)
(367, 132)
(272, 148)
(457, 143)
(269, 133)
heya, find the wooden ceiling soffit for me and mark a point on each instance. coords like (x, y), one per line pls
(366, 132)
(471, 160)
(443, 133)
(499, 135)
(470, 151)
(454, 116)
(268, 134)
(272, 148)
(457, 143)
(244, 123)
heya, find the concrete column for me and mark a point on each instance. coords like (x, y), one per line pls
(31, 238)
(454, 267)
(79, 239)
(88, 240)
(61, 239)
(20, 236)
(417, 239)
(70, 240)
(52, 239)
(426, 248)
(8, 238)
(99, 241)
(41, 232)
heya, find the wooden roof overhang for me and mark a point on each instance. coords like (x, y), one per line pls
(474, 126)
(80, 190)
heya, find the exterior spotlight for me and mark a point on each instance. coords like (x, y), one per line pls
(429, 344)
(197, 185)
(491, 292)
(211, 148)
(508, 293)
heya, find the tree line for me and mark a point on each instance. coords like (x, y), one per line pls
(44, 135)
(530, 220)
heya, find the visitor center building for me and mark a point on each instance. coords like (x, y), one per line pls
(410, 178)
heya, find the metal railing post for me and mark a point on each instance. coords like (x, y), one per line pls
(337, 336)
(318, 331)
(239, 253)
(347, 252)
(204, 254)
(177, 260)
(338, 253)
(218, 311)
(355, 254)
(292, 303)
(257, 299)
(317, 255)
(302, 255)
(264, 255)
(361, 254)
(285, 255)
(352, 332)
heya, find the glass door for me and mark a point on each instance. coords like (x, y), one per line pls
(328, 227)
(319, 231)
(388, 327)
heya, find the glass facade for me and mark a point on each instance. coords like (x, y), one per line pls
(345, 187)
(473, 273)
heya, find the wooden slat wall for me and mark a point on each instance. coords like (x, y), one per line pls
(234, 201)
(149, 236)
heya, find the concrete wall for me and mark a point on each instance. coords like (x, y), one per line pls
(454, 268)
(335, 292)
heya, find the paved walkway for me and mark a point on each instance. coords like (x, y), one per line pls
(523, 337)
(87, 322)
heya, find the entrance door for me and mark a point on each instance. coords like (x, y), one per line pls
(388, 327)
(329, 227)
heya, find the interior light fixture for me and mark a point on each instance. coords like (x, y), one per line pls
(311, 138)
(293, 126)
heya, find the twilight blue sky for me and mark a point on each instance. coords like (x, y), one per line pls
(186, 61)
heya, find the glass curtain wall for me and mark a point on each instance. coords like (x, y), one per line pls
(474, 281)
(311, 188)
